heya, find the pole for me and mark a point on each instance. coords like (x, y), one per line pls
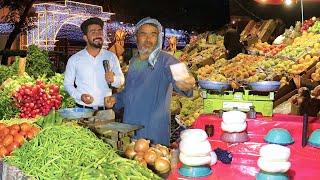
(301, 7)
(305, 129)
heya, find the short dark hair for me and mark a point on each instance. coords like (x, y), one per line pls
(90, 21)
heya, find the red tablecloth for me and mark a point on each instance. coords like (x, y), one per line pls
(305, 162)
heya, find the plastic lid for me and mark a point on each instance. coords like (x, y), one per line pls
(279, 136)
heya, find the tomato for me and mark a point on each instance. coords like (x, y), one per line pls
(13, 132)
(18, 138)
(12, 146)
(8, 139)
(5, 131)
(30, 134)
(3, 151)
(35, 130)
(15, 126)
(23, 133)
(25, 126)
(2, 126)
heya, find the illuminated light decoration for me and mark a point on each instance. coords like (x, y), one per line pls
(281, 2)
(53, 16)
(129, 28)
(112, 27)
(287, 2)
(179, 34)
(71, 32)
(6, 28)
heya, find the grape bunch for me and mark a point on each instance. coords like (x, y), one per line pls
(223, 155)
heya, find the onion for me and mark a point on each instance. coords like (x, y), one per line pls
(130, 153)
(150, 156)
(158, 152)
(141, 145)
(131, 145)
(143, 162)
(162, 165)
(164, 151)
(139, 156)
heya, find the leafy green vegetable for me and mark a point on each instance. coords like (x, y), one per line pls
(38, 63)
(8, 71)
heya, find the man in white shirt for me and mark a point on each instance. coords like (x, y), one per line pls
(85, 69)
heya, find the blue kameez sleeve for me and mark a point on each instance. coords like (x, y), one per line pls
(120, 99)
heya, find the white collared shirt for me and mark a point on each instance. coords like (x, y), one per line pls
(88, 74)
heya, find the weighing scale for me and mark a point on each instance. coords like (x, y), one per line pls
(103, 124)
(242, 100)
(117, 134)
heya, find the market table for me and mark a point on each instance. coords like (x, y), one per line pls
(305, 162)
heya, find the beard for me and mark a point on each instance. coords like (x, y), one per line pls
(146, 49)
(97, 43)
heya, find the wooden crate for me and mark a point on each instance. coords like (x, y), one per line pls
(247, 29)
(266, 30)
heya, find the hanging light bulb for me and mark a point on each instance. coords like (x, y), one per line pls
(287, 2)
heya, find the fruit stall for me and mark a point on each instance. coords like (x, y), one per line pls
(258, 115)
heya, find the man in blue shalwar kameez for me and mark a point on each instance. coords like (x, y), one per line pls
(149, 83)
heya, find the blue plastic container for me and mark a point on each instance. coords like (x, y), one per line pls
(279, 136)
(195, 171)
(314, 139)
(262, 175)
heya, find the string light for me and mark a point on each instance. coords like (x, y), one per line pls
(63, 20)
(52, 17)
(6, 28)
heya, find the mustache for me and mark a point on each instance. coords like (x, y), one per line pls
(97, 39)
(147, 43)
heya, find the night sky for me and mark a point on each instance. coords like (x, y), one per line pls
(178, 14)
(201, 15)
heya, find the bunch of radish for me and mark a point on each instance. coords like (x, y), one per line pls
(38, 99)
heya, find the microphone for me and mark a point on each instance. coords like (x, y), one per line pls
(106, 67)
(152, 67)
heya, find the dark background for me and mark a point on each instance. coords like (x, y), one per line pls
(202, 15)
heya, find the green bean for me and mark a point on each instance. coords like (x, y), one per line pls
(71, 152)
